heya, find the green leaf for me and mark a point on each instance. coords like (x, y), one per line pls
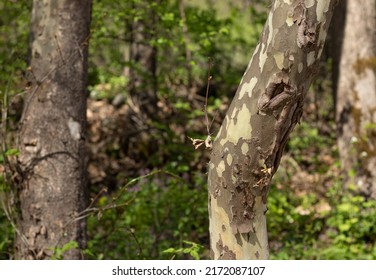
(195, 255)
(169, 251)
(224, 30)
(12, 152)
(344, 227)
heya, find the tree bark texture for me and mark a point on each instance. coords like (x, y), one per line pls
(265, 109)
(356, 94)
(52, 131)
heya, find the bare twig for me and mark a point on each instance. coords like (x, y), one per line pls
(208, 141)
(207, 96)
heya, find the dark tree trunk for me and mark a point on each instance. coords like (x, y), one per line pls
(52, 132)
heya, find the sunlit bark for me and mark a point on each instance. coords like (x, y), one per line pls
(265, 109)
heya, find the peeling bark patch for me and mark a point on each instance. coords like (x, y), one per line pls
(278, 92)
(306, 34)
(217, 193)
(31, 146)
(74, 129)
(257, 255)
(242, 213)
(224, 252)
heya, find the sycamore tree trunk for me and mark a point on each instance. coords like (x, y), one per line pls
(52, 132)
(355, 87)
(265, 109)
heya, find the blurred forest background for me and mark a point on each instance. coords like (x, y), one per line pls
(148, 73)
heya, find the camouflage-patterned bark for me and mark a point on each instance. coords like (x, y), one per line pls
(356, 94)
(266, 107)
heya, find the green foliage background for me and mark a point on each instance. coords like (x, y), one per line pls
(160, 212)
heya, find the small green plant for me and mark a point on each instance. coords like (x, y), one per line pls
(298, 230)
(193, 250)
(59, 251)
(351, 228)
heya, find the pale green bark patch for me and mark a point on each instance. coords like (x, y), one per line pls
(239, 126)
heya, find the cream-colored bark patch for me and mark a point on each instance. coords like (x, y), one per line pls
(241, 91)
(246, 87)
(321, 8)
(263, 53)
(322, 36)
(220, 168)
(229, 159)
(310, 3)
(310, 58)
(271, 29)
(253, 246)
(279, 58)
(245, 148)
(300, 67)
(218, 219)
(263, 56)
(225, 125)
(290, 18)
(242, 128)
(74, 129)
(234, 111)
(251, 85)
(320, 52)
(211, 166)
